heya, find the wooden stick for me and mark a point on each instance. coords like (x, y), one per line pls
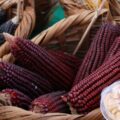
(97, 13)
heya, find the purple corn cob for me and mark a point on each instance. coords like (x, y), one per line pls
(114, 48)
(23, 80)
(51, 102)
(17, 98)
(69, 60)
(37, 59)
(98, 50)
(85, 96)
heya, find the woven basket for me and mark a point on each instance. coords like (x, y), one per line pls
(67, 33)
(14, 113)
(24, 28)
(8, 112)
(28, 14)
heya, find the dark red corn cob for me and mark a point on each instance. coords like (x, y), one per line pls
(51, 102)
(37, 59)
(17, 98)
(98, 50)
(85, 96)
(69, 60)
(114, 48)
(23, 80)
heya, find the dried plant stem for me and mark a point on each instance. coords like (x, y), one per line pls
(97, 13)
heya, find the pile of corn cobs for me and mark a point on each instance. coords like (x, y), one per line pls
(45, 81)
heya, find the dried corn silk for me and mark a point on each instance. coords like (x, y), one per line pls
(110, 102)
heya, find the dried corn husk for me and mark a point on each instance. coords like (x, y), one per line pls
(5, 4)
(5, 100)
(74, 6)
(71, 7)
(48, 35)
(94, 4)
(27, 24)
(4, 49)
(115, 7)
(2, 1)
(60, 28)
(23, 30)
(14, 113)
(70, 28)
